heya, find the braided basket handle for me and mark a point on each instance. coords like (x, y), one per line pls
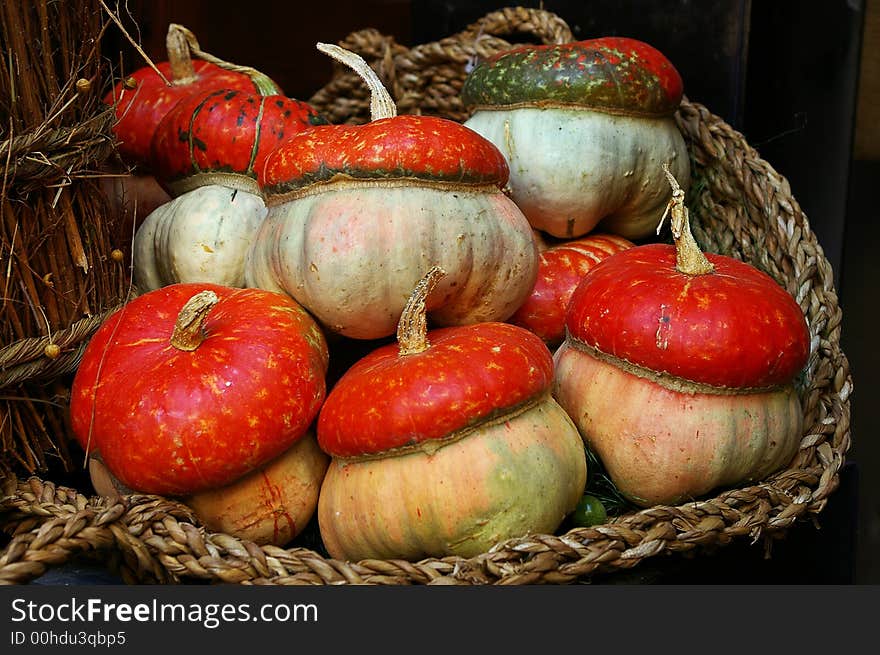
(427, 78)
(544, 25)
(482, 38)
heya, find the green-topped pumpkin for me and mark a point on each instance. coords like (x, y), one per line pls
(585, 128)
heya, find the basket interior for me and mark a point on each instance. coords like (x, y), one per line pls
(739, 207)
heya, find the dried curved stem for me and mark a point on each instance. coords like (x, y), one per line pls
(188, 334)
(381, 103)
(412, 329)
(689, 259)
(180, 38)
(179, 57)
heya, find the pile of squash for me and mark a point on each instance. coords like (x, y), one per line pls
(516, 312)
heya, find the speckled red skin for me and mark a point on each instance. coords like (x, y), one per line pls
(225, 130)
(734, 328)
(176, 422)
(139, 110)
(615, 74)
(561, 267)
(468, 374)
(421, 147)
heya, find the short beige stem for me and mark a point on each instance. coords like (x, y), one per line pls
(689, 259)
(188, 334)
(179, 55)
(182, 46)
(381, 103)
(412, 329)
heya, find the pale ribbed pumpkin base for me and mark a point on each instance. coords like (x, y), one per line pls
(271, 505)
(572, 170)
(503, 480)
(665, 446)
(352, 253)
(200, 236)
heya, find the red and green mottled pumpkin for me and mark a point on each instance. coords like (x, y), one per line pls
(222, 136)
(585, 127)
(679, 369)
(146, 96)
(206, 152)
(190, 387)
(446, 442)
(140, 103)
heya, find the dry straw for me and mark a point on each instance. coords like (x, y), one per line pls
(56, 227)
(739, 206)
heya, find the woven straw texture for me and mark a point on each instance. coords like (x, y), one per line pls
(739, 207)
(57, 228)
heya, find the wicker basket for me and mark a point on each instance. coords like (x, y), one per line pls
(739, 207)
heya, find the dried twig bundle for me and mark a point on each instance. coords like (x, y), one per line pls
(57, 229)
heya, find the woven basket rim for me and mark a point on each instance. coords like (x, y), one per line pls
(156, 539)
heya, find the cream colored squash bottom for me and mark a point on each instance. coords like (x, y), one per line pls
(200, 236)
(272, 504)
(572, 170)
(505, 479)
(352, 253)
(662, 445)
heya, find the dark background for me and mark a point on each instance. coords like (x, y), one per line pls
(799, 80)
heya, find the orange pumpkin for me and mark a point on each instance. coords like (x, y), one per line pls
(191, 386)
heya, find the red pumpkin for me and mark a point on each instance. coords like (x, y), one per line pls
(191, 386)
(222, 136)
(206, 153)
(679, 368)
(142, 99)
(446, 442)
(561, 267)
